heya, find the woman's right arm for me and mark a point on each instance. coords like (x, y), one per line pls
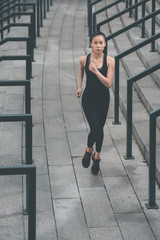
(80, 75)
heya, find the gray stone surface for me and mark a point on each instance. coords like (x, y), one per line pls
(97, 207)
(71, 223)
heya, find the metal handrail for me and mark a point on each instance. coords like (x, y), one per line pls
(7, 4)
(117, 59)
(115, 34)
(27, 118)
(30, 31)
(28, 40)
(152, 135)
(33, 18)
(90, 4)
(130, 103)
(20, 14)
(26, 58)
(121, 13)
(101, 10)
(27, 85)
(30, 172)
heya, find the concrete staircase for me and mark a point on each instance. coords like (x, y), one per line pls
(146, 96)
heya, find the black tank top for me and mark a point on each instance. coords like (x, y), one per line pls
(93, 84)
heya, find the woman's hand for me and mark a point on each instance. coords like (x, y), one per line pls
(79, 92)
(93, 68)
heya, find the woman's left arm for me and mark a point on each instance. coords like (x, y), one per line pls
(107, 81)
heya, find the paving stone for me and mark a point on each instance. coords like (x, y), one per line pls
(97, 207)
(134, 226)
(55, 154)
(77, 142)
(153, 216)
(44, 198)
(10, 141)
(111, 233)
(121, 194)
(71, 223)
(8, 231)
(39, 158)
(38, 135)
(52, 108)
(63, 182)
(74, 121)
(36, 108)
(71, 103)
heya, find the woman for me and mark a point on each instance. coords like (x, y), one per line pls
(99, 70)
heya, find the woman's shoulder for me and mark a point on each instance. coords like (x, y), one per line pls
(110, 61)
(83, 60)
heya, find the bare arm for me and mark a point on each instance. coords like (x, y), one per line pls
(107, 81)
(80, 75)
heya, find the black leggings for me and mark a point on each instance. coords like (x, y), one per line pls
(95, 109)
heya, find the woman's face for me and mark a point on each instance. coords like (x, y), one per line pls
(98, 44)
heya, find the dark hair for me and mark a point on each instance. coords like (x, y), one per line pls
(98, 33)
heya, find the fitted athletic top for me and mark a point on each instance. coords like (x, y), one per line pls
(93, 84)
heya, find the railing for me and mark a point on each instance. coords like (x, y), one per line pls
(27, 118)
(90, 5)
(100, 11)
(152, 134)
(26, 169)
(135, 24)
(152, 160)
(29, 47)
(26, 58)
(41, 5)
(28, 25)
(122, 13)
(129, 106)
(117, 59)
(30, 171)
(14, 14)
(27, 85)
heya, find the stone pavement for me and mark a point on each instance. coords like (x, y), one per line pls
(72, 204)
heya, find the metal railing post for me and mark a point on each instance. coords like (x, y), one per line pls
(38, 18)
(116, 90)
(44, 8)
(30, 171)
(152, 162)
(48, 5)
(28, 67)
(32, 205)
(41, 14)
(136, 11)
(28, 97)
(126, 3)
(28, 139)
(88, 8)
(153, 25)
(129, 121)
(90, 21)
(143, 24)
(130, 4)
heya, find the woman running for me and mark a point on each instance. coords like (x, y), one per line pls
(99, 70)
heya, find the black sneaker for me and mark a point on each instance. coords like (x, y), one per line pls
(86, 159)
(95, 166)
